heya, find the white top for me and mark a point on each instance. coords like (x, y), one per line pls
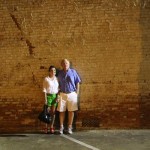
(50, 85)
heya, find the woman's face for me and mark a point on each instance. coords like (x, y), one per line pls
(52, 72)
(65, 65)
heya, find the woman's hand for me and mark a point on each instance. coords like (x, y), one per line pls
(57, 99)
(45, 102)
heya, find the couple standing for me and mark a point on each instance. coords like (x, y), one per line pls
(63, 90)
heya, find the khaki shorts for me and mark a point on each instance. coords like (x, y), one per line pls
(67, 101)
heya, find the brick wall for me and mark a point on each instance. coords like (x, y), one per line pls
(107, 43)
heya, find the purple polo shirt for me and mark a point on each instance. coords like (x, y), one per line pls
(68, 80)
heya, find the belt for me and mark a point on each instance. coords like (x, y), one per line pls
(67, 92)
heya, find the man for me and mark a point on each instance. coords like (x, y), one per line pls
(69, 89)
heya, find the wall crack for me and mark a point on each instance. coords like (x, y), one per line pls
(28, 43)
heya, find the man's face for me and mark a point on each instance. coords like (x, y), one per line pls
(65, 65)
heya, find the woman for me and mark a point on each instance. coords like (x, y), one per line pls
(50, 89)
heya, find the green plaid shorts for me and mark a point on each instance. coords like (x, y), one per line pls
(51, 100)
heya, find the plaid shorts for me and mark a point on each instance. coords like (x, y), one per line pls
(51, 100)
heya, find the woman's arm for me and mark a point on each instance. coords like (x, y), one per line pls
(45, 95)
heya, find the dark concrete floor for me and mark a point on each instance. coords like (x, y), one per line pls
(79, 140)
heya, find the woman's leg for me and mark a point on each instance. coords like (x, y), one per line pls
(46, 129)
(53, 115)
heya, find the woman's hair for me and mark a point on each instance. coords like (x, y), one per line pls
(50, 68)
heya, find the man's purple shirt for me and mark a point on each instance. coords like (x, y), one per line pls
(68, 80)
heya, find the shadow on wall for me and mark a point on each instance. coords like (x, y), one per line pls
(144, 74)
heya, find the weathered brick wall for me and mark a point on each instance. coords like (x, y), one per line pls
(107, 42)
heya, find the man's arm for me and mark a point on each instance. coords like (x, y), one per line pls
(78, 88)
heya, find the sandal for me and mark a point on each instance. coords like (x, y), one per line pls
(46, 130)
(52, 130)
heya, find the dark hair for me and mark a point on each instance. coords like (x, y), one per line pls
(50, 68)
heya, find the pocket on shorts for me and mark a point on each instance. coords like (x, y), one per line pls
(75, 94)
(61, 105)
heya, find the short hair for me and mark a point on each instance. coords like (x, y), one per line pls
(63, 60)
(50, 68)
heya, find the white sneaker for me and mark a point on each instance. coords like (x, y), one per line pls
(70, 130)
(61, 130)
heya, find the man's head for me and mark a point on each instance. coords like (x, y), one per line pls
(65, 64)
